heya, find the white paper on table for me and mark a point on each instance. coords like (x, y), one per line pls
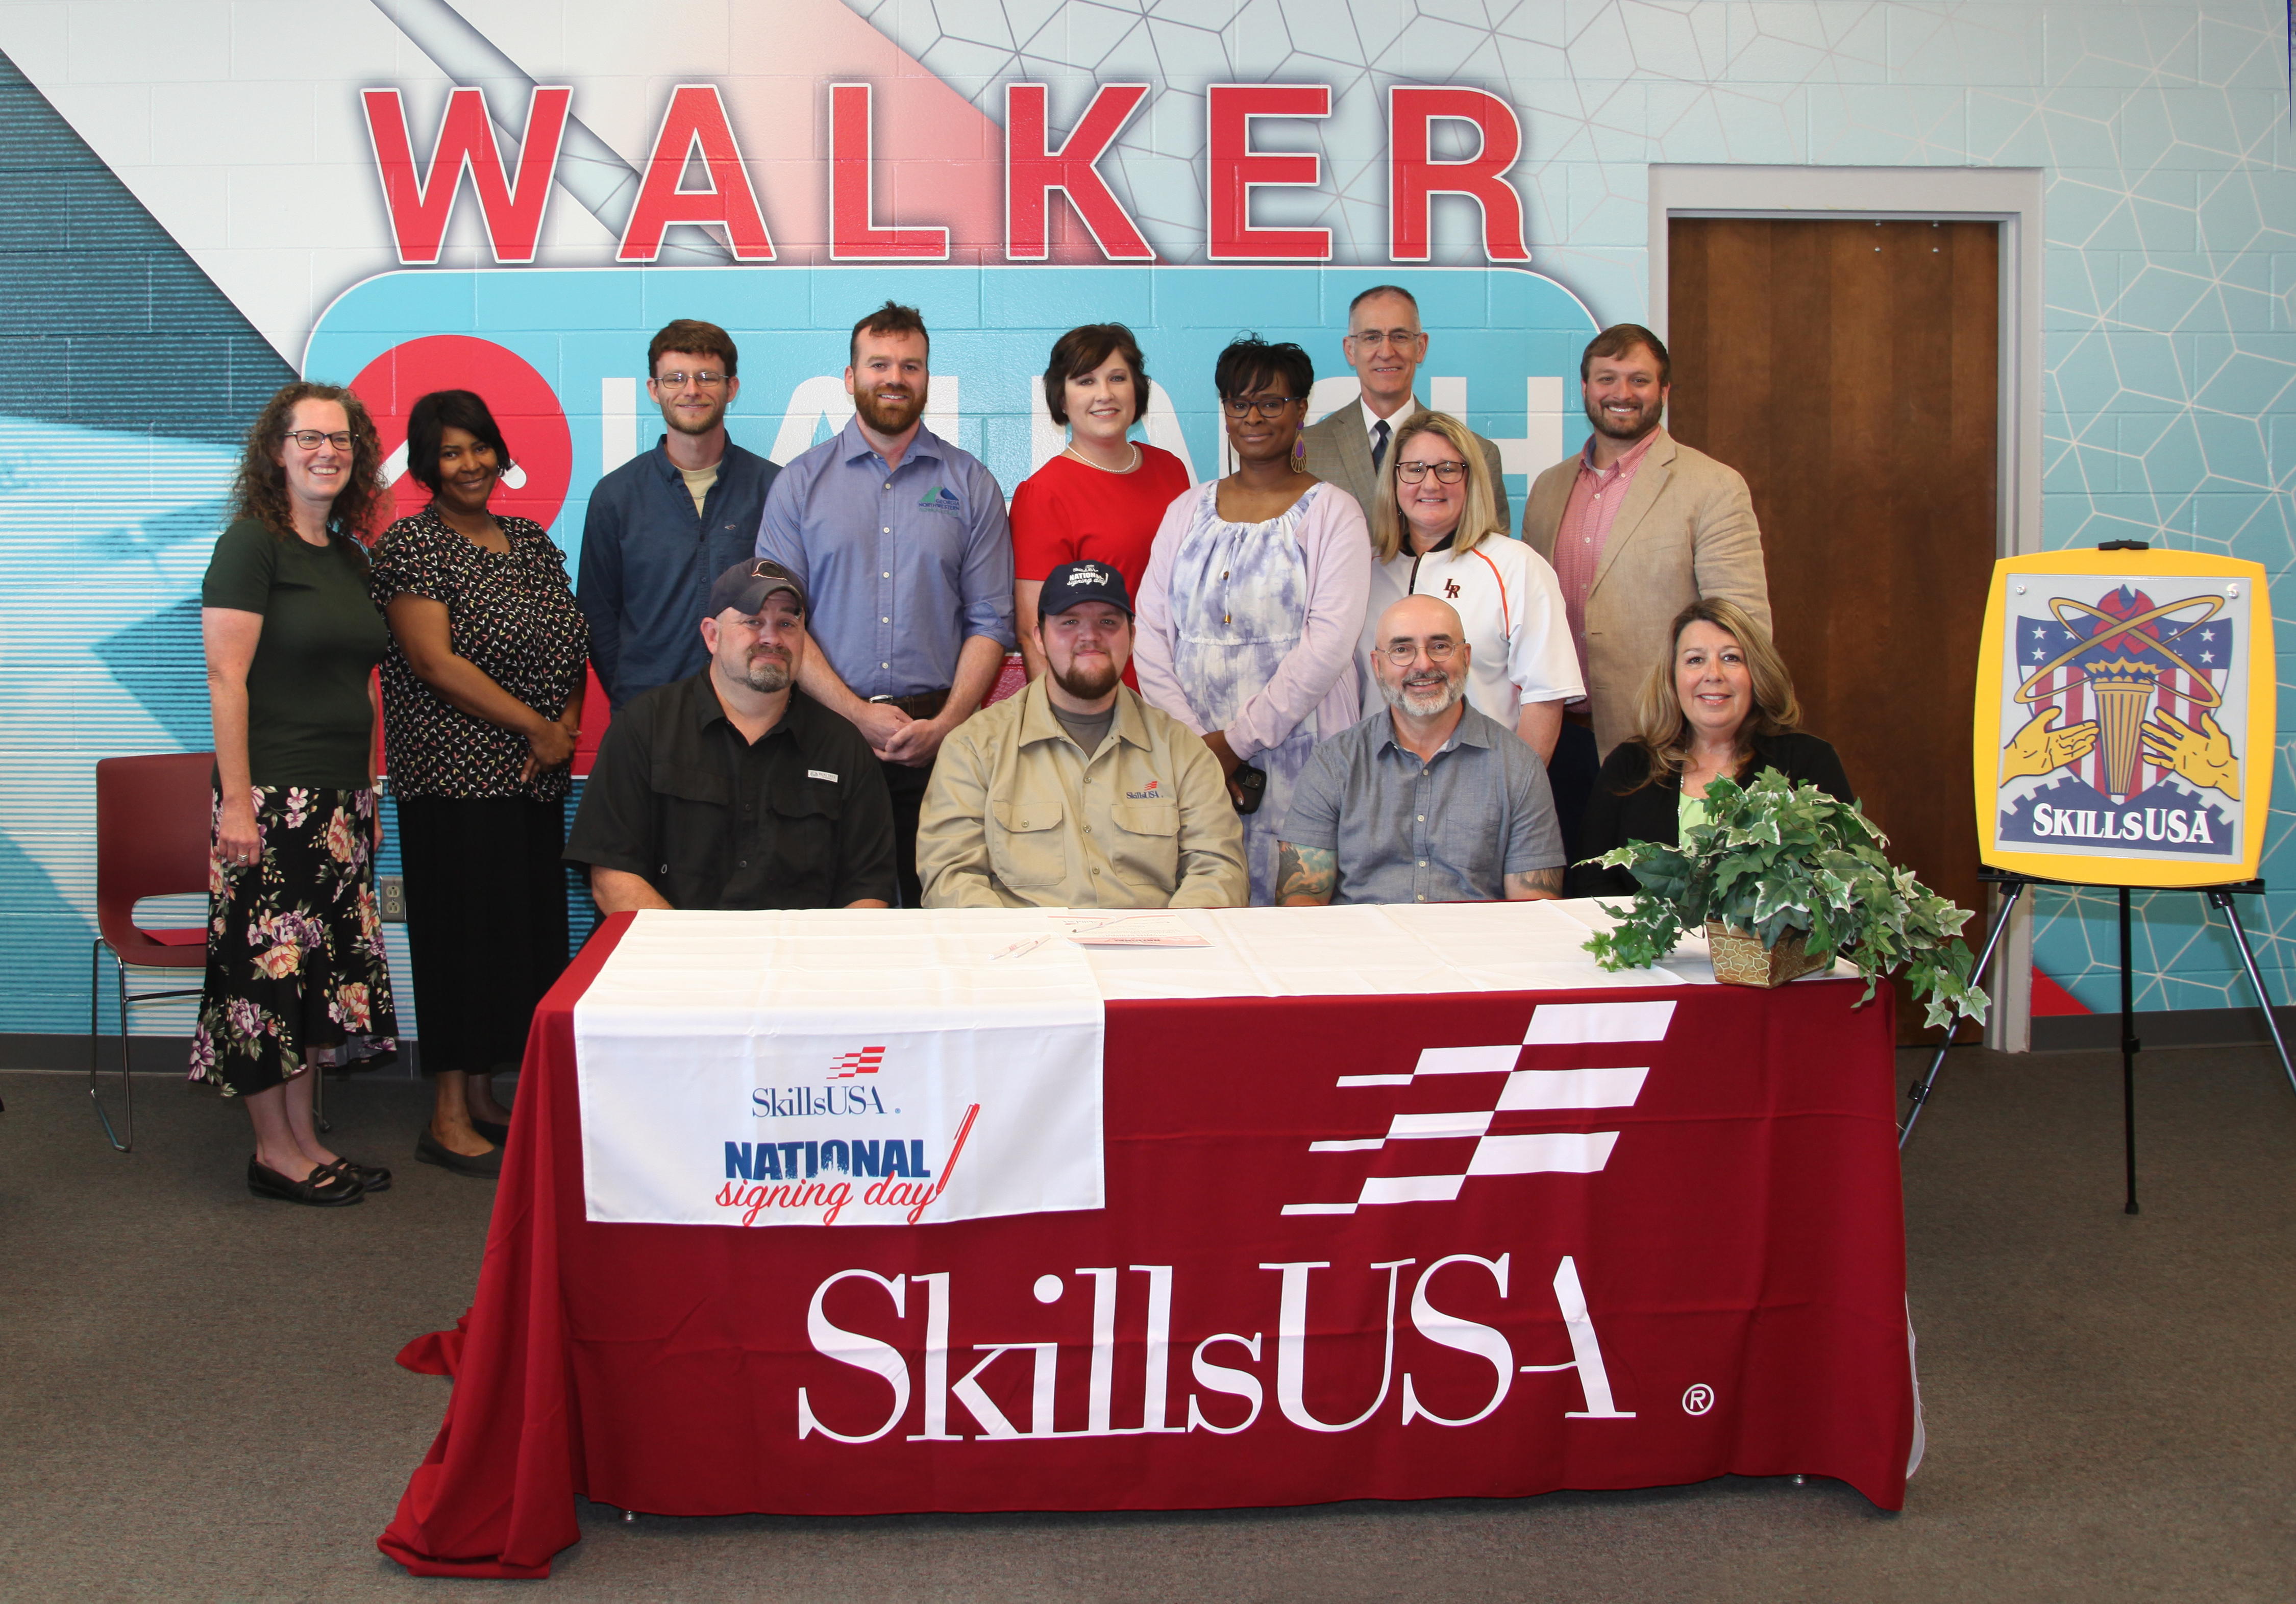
(1367, 950)
(1130, 930)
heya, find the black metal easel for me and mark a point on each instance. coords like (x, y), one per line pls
(2014, 886)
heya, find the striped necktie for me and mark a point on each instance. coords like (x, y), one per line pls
(1379, 444)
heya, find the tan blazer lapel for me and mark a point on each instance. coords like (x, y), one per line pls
(1642, 495)
(1355, 456)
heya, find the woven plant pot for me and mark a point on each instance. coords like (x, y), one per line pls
(1739, 958)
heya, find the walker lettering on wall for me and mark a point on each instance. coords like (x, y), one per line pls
(694, 127)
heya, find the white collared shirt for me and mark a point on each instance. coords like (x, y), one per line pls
(1507, 597)
(1372, 420)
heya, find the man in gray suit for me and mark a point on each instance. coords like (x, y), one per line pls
(1385, 347)
(1638, 527)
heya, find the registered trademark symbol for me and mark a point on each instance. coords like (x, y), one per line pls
(1698, 1399)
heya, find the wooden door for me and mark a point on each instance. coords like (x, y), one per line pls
(1850, 371)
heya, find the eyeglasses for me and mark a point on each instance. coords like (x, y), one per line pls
(309, 439)
(1240, 407)
(677, 381)
(1447, 474)
(1403, 653)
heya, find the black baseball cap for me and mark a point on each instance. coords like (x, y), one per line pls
(744, 587)
(1075, 582)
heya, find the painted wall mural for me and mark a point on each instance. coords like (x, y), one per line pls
(207, 198)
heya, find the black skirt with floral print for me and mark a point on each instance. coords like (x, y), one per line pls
(295, 968)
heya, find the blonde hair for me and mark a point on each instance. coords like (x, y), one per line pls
(1478, 521)
(1659, 724)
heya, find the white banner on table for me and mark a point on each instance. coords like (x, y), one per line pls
(869, 1067)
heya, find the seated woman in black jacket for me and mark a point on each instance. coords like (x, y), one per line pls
(1722, 704)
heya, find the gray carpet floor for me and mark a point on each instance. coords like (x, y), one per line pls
(198, 1402)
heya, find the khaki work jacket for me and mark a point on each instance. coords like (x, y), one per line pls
(1019, 817)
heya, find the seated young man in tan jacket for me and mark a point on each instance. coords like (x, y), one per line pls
(1075, 793)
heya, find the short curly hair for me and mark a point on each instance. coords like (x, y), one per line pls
(1249, 362)
(259, 489)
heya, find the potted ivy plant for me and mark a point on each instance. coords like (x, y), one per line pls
(1784, 879)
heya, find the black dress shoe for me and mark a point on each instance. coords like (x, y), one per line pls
(321, 1188)
(499, 1135)
(371, 1177)
(483, 1166)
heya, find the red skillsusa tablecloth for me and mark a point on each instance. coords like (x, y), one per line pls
(1720, 1290)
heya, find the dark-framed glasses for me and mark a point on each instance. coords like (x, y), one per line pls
(1403, 653)
(1447, 473)
(1269, 408)
(309, 439)
(677, 381)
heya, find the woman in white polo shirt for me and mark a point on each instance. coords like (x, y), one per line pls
(1435, 531)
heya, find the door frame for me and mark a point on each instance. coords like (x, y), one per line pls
(2010, 197)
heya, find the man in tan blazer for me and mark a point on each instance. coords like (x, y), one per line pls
(1385, 346)
(1638, 525)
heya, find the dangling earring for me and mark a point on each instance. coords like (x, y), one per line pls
(1298, 454)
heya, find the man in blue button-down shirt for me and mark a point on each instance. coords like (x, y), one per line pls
(900, 540)
(664, 525)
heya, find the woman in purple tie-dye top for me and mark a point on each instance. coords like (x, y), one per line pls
(1255, 594)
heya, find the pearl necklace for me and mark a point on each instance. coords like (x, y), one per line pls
(1070, 450)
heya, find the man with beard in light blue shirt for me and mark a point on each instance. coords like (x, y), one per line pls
(900, 541)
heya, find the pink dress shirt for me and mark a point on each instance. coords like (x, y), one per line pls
(1595, 495)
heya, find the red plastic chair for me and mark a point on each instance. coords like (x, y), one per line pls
(153, 823)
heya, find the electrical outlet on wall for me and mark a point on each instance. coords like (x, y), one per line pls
(390, 889)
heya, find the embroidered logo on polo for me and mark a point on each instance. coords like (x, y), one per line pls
(1519, 1091)
(1151, 795)
(941, 499)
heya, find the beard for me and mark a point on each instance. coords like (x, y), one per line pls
(1423, 702)
(1644, 420)
(891, 417)
(1089, 682)
(767, 673)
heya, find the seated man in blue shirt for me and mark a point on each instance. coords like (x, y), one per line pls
(900, 539)
(665, 524)
(1426, 800)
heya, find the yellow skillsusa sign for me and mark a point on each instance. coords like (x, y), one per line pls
(2125, 706)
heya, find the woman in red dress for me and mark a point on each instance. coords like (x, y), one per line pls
(1105, 495)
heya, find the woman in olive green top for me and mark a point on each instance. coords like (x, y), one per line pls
(296, 976)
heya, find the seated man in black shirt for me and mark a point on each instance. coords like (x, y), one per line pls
(733, 789)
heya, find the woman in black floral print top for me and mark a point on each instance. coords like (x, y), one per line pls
(481, 698)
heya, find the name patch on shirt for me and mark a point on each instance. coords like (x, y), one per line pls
(821, 774)
(940, 498)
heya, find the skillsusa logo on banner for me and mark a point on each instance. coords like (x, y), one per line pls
(802, 1180)
(805, 1103)
(1502, 1094)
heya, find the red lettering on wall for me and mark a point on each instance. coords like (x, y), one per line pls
(1414, 178)
(854, 235)
(695, 121)
(1033, 171)
(420, 203)
(1236, 169)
